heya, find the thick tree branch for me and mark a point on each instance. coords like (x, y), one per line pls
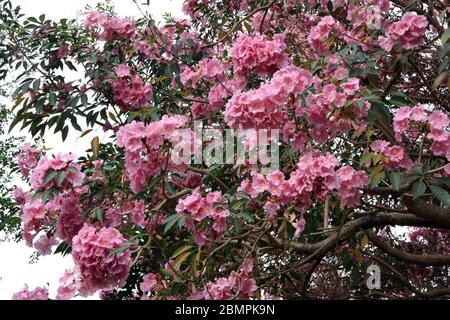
(376, 220)
(427, 260)
(432, 213)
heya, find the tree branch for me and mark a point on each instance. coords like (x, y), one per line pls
(426, 260)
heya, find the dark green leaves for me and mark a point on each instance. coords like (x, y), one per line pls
(61, 176)
(394, 178)
(123, 247)
(418, 189)
(172, 220)
(50, 176)
(441, 194)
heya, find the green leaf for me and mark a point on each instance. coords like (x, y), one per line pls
(73, 170)
(394, 178)
(247, 217)
(418, 189)
(52, 99)
(35, 196)
(99, 214)
(377, 178)
(46, 194)
(365, 158)
(64, 133)
(445, 36)
(118, 251)
(61, 176)
(50, 176)
(440, 78)
(181, 258)
(441, 194)
(181, 250)
(84, 99)
(411, 178)
(170, 222)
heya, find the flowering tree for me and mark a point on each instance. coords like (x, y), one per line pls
(356, 90)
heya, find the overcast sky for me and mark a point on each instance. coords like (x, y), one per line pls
(15, 269)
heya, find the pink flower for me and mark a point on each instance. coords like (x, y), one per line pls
(262, 107)
(299, 226)
(44, 244)
(39, 293)
(33, 210)
(211, 68)
(123, 70)
(67, 286)
(319, 35)
(258, 53)
(28, 158)
(150, 280)
(113, 217)
(70, 220)
(200, 237)
(91, 251)
(350, 184)
(351, 86)
(397, 156)
(63, 51)
(131, 94)
(408, 32)
(386, 43)
(93, 19)
(438, 120)
(138, 212)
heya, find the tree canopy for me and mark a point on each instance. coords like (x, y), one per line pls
(351, 98)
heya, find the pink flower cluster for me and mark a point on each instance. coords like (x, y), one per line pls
(57, 163)
(39, 293)
(70, 219)
(263, 107)
(350, 184)
(131, 94)
(149, 282)
(238, 283)
(138, 212)
(408, 32)
(199, 209)
(28, 159)
(68, 286)
(315, 177)
(258, 53)
(98, 268)
(109, 29)
(437, 122)
(141, 143)
(319, 37)
(397, 158)
(322, 109)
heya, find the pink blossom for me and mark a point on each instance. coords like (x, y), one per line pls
(409, 31)
(39, 293)
(91, 253)
(123, 70)
(138, 212)
(63, 51)
(28, 158)
(258, 53)
(150, 280)
(44, 244)
(131, 94)
(67, 286)
(299, 226)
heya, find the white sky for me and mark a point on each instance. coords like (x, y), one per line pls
(15, 270)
